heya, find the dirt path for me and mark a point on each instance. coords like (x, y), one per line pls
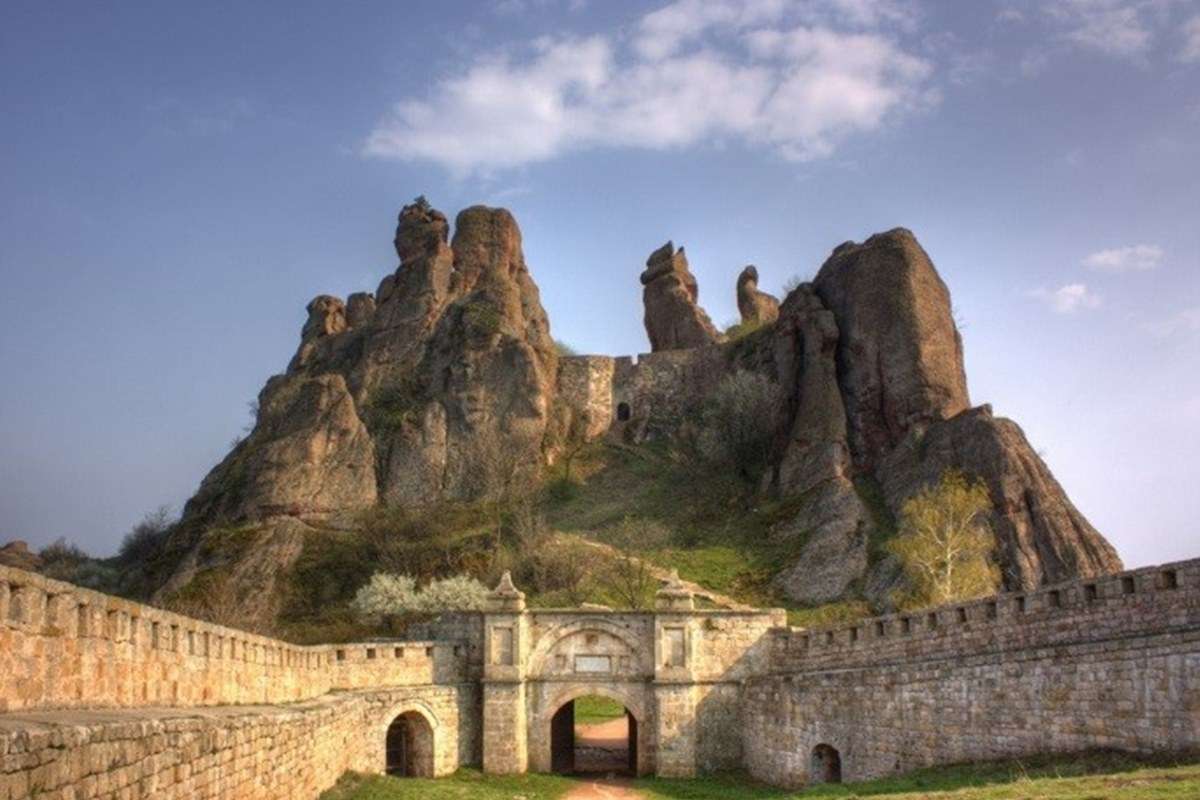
(603, 789)
(662, 574)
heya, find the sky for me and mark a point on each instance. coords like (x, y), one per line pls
(177, 180)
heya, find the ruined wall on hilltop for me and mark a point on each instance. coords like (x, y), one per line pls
(1111, 662)
(648, 398)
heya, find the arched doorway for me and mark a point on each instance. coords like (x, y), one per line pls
(826, 765)
(409, 746)
(593, 734)
(623, 412)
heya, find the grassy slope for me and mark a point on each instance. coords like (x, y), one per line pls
(722, 527)
(1092, 777)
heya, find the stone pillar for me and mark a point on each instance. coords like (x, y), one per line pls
(675, 640)
(506, 645)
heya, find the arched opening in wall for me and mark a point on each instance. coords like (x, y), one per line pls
(826, 765)
(593, 734)
(623, 412)
(410, 746)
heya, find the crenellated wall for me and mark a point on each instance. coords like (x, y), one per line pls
(104, 698)
(1112, 662)
(62, 646)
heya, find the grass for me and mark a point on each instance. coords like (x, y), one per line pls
(723, 529)
(591, 709)
(1094, 776)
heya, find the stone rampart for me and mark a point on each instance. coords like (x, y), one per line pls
(1111, 662)
(244, 752)
(62, 646)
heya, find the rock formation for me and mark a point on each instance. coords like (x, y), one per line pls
(17, 554)
(880, 400)
(816, 459)
(1042, 536)
(674, 319)
(437, 388)
(755, 307)
(899, 353)
(444, 386)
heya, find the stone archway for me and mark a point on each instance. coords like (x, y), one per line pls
(825, 765)
(407, 742)
(608, 745)
(553, 730)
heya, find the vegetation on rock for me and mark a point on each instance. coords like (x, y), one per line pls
(946, 545)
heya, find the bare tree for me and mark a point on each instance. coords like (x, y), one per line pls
(630, 577)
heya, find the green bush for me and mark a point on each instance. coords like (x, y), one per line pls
(738, 423)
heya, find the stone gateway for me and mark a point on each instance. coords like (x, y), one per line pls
(104, 698)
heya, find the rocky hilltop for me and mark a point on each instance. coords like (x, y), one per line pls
(446, 386)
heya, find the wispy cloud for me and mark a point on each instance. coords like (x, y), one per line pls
(795, 79)
(1137, 258)
(1190, 52)
(1068, 299)
(1129, 30)
(1185, 321)
(1115, 27)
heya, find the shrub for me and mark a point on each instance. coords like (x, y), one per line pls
(387, 597)
(564, 349)
(456, 593)
(738, 422)
(146, 538)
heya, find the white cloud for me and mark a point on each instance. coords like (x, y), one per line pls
(1125, 29)
(1068, 299)
(1137, 258)
(1191, 41)
(796, 79)
(1115, 27)
(1185, 321)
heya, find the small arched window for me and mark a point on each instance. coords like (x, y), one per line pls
(622, 412)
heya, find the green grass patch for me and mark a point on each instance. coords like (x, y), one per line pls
(591, 709)
(828, 614)
(1093, 776)
(722, 528)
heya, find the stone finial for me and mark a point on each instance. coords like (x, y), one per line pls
(674, 595)
(506, 596)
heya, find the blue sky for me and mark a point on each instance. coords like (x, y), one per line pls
(180, 179)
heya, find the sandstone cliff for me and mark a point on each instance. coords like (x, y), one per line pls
(881, 401)
(437, 388)
(674, 318)
(756, 307)
(443, 386)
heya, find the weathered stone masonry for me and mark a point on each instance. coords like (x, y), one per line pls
(1112, 662)
(104, 698)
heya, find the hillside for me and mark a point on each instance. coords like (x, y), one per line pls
(434, 427)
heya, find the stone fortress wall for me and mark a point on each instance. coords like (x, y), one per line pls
(1110, 662)
(639, 399)
(104, 698)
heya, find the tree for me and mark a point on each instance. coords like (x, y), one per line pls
(946, 543)
(630, 576)
(388, 598)
(738, 423)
